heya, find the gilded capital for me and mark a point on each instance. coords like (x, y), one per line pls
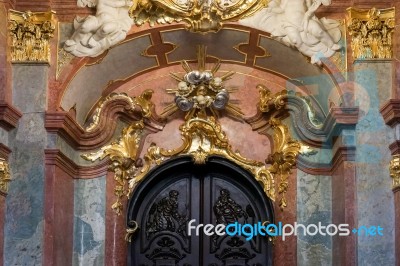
(30, 34)
(371, 32)
(5, 177)
(394, 169)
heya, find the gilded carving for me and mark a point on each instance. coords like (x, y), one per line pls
(202, 135)
(394, 168)
(285, 149)
(5, 176)
(30, 34)
(63, 58)
(124, 163)
(199, 16)
(371, 32)
(283, 157)
(202, 90)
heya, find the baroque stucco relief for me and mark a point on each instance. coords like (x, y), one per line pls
(291, 22)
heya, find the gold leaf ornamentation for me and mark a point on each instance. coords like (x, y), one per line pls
(30, 34)
(199, 16)
(124, 163)
(5, 176)
(394, 169)
(143, 102)
(371, 32)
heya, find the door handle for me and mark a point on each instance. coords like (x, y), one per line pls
(130, 230)
(270, 238)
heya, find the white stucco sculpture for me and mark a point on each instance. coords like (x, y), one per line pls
(293, 22)
(95, 34)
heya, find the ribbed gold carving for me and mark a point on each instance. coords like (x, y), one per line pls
(371, 32)
(30, 34)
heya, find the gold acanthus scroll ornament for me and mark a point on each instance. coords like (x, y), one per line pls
(199, 15)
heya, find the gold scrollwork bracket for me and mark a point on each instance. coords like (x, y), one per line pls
(285, 149)
(124, 152)
(124, 162)
(30, 34)
(394, 169)
(142, 102)
(371, 32)
(5, 176)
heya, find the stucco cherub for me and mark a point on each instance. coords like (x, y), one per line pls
(293, 22)
(95, 34)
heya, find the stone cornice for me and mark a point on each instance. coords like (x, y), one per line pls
(395, 147)
(9, 116)
(342, 154)
(64, 125)
(391, 112)
(57, 158)
(4, 151)
(337, 119)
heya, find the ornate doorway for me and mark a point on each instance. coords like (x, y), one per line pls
(218, 192)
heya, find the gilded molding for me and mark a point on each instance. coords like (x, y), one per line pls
(371, 32)
(199, 16)
(143, 102)
(394, 169)
(30, 34)
(5, 176)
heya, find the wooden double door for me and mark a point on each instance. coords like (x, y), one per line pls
(180, 193)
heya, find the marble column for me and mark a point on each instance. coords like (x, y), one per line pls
(375, 199)
(89, 222)
(23, 230)
(314, 205)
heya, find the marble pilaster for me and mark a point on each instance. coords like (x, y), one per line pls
(374, 197)
(23, 231)
(89, 221)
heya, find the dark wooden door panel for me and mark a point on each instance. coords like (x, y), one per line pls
(216, 193)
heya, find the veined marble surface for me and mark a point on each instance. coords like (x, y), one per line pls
(89, 221)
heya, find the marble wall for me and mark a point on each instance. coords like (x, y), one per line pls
(314, 205)
(23, 232)
(374, 195)
(89, 221)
